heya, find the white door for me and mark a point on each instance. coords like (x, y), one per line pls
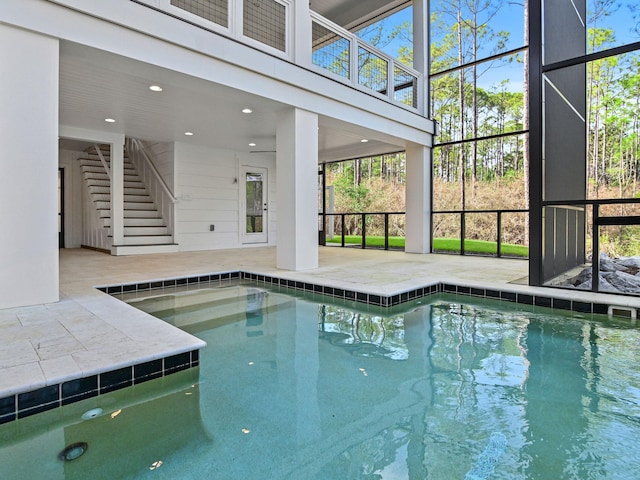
(254, 219)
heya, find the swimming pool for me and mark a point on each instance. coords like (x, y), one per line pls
(300, 386)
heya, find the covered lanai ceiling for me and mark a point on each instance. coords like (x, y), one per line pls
(95, 85)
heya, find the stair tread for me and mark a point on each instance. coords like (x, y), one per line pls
(146, 245)
(144, 225)
(133, 201)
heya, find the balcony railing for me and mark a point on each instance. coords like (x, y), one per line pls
(335, 52)
(344, 55)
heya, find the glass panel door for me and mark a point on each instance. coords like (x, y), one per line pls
(254, 224)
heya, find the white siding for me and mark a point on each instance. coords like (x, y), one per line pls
(208, 194)
(162, 155)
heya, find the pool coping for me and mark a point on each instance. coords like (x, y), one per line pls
(377, 299)
(24, 404)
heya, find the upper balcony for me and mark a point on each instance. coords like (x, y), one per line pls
(310, 41)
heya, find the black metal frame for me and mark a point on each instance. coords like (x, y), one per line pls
(535, 143)
(598, 221)
(462, 213)
(498, 213)
(61, 212)
(536, 118)
(363, 218)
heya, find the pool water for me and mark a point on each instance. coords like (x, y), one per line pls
(305, 387)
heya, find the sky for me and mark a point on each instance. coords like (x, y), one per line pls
(510, 17)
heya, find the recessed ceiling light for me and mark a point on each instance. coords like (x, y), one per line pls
(252, 144)
(364, 140)
(155, 88)
(109, 120)
(188, 134)
(247, 110)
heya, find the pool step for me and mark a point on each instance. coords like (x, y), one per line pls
(215, 304)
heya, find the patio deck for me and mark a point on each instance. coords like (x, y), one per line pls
(89, 332)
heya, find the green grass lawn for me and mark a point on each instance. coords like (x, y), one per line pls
(440, 245)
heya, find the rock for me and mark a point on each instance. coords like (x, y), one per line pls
(624, 282)
(607, 265)
(582, 277)
(604, 285)
(630, 264)
(619, 275)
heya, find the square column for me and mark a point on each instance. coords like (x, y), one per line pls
(297, 186)
(421, 36)
(421, 50)
(418, 200)
(28, 168)
(302, 33)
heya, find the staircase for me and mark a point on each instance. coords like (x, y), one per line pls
(145, 231)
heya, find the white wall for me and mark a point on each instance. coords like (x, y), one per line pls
(208, 194)
(73, 198)
(28, 168)
(163, 157)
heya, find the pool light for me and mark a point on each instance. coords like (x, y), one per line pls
(73, 451)
(93, 413)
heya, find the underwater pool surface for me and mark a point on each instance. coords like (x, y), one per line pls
(300, 386)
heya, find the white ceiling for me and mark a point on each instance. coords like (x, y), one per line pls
(95, 85)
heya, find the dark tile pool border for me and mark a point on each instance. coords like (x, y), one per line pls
(525, 298)
(46, 398)
(25, 404)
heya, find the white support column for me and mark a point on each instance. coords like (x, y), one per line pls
(117, 191)
(28, 168)
(301, 31)
(421, 49)
(418, 200)
(297, 185)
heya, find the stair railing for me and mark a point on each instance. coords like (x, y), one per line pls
(159, 190)
(102, 160)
